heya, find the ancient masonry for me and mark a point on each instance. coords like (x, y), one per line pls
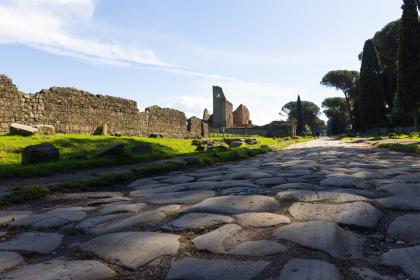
(71, 110)
(225, 120)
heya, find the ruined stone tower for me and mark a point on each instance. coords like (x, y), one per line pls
(222, 109)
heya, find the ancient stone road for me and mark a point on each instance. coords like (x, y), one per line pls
(319, 210)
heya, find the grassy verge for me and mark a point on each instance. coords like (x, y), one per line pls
(406, 148)
(76, 152)
(214, 156)
(412, 136)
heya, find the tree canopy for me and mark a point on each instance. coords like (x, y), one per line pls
(408, 71)
(311, 113)
(338, 117)
(371, 93)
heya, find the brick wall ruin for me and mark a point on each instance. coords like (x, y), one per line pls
(71, 110)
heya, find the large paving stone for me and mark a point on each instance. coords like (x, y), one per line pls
(270, 181)
(244, 191)
(115, 225)
(408, 259)
(11, 216)
(179, 179)
(197, 221)
(213, 185)
(324, 236)
(406, 227)
(402, 189)
(304, 269)
(367, 274)
(156, 191)
(248, 175)
(53, 218)
(260, 248)
(9, 260)
(236, 204)
(118, 207)
(187, 197)
(318, 196)
(214, 241)
(37, 242)
(410, 178)
(340, 181)
(410, 203)
(360, 214)
(133, 249)
(203, 269)
(62, 270)
(367, 175)
(261, 219)
(97, 220)
(297, 186)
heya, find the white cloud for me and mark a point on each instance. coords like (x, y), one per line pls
(46, 24)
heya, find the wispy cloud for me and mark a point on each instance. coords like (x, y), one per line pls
(46, 24)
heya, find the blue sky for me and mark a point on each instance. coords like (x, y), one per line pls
(170, 52)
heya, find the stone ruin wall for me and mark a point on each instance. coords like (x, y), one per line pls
(71, 110)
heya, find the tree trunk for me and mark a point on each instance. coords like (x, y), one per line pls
(350, 111)
(416, 122)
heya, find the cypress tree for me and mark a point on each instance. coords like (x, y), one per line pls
(371, 92)
(407, 98)
(300, 126)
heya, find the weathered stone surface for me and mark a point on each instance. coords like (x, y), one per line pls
(408, 259)
(356, 214)
(296, 186)
(235, 144)
(63, 270)
(122, 207)
(236, 204)
(45, 129)
(9, 260)
(402, 189)
(142, 149)
(247, 175)
(139, 219)
(147, 192)
(304, 269)
(261, 219)
(111, 151)
(273, 181)
(411, 203)
(197, 221)
(367, 175)
(203, 269)
(20, 129)
(94, 221)
(11, 216)
(214, 240)
(406, 227)
(37, 242)
(410, 178)
(179, 179)
(325, 236)
(258, 248)
(187, 197)
(56, 217)
(340, 181)
(39, 153)
(367, 274)
(318, 196)
(133, 249)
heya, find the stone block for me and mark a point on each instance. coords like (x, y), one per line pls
(39, 153)
(20, 129)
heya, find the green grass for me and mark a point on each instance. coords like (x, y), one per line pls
(76, 152)
(24, 195)
(406, 148)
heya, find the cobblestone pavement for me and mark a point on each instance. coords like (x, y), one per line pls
(318, 210)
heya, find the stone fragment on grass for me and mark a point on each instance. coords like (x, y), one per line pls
(39, 153)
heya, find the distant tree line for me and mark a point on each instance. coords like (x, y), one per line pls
(386, 91)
